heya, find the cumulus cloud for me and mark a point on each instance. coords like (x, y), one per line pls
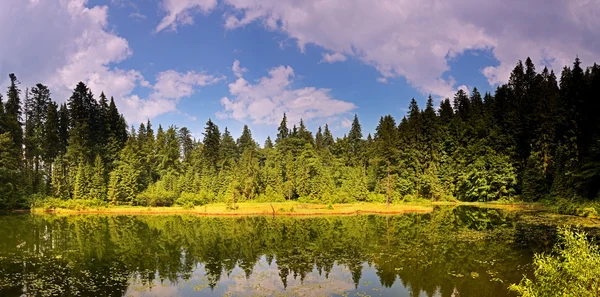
(169, 88)
(180, 12)
(382, 80)
(346, 123)
(62, 42)
(272, 95)
(398, 39)
(238, 71)
(464, 88)
(332, 58)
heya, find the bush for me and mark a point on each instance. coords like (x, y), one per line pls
(192, 199)
(375, 197)
(73, 204)
(568, 207)
(588, 212)
(571, 271)
(270, 195)
(155, 196)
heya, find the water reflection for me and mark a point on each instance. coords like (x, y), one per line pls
(449, 252)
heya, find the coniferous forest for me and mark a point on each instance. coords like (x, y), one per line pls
(537, 137)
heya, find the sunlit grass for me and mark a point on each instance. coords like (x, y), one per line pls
(255, 208)
(287, 208)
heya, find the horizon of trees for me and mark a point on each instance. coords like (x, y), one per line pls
(534, 138)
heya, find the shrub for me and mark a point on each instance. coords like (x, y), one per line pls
(588, 212)
(73, 204)
(376, 197)
(571, 271)
(192, 199)
(155, 196)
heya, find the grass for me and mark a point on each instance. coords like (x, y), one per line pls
(290, 208)
(254, 208)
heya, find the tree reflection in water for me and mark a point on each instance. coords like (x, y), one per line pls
(449, 252)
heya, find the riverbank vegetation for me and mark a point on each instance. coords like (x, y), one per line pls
(572, 269)
(534, 139)
(292, 208)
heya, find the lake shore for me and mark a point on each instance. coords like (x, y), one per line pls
(291, 208)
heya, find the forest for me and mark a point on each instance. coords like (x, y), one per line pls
(536, 138)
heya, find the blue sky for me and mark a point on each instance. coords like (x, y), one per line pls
(322, 60)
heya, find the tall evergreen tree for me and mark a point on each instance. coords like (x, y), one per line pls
(245, 142)
(212, 141)
(282, 131)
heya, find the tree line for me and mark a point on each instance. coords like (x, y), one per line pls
(535, 138)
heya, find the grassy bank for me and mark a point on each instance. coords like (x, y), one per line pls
(276, 208)
(252, 208)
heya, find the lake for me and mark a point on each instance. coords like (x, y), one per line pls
(452, 251)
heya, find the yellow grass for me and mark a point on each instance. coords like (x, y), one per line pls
(290, 208)
(252, 208)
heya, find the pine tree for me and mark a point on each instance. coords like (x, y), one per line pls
(212, 141)
(185, 138)
(327, 137)
(51, 145)
(245, 142)
(82, 182)
(355, 143)
(228, 150)
(319, 140)
(13, 113)
(304, 136)
(282, 131)
(268, 143)
(10, 183)
(124, 181)
(60, 182)
(63, 124)
(98, 189)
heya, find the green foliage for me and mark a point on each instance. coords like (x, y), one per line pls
(73, 204)
(186, 198)
(572, 270)
(533, 139)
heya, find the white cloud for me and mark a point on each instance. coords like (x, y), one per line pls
(398, 39)
(180, 12)
(267, 100)
(346, 123)
(382, 80)
(137, 16)
(62, 42)
(172, 84)
(464, 88)
(332, 58)
(238, 71)
(169, 88)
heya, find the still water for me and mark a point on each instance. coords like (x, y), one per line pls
(461, 251)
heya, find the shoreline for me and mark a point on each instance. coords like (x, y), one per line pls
(284, 209)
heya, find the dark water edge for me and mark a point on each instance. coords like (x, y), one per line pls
(460, 251)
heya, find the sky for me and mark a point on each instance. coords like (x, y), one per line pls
(181, 62)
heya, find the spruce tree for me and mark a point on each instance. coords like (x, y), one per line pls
(228, 150)
(245, 142)
(282, 131)
(268, 143)
(212, 141)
